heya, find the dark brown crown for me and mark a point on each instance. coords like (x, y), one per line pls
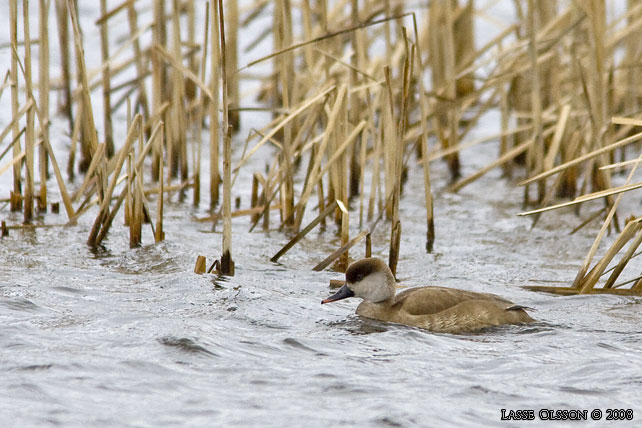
(362, 268)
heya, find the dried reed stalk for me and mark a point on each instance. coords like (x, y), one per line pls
(231, 61)
(106, 198)
(160, 234)
(132, 17)
(43, 92)
(226, 263)
(16, 203)
(327, 211)
(214, 104)
(106, 82)
(29, 192)
(65, 64)
(159, 77)
(52, 157)
(201, 264)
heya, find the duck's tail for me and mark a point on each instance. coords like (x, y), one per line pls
(518, 307)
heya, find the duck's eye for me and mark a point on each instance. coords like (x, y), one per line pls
(359, 277)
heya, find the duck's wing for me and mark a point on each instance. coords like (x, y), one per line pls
(470, 316)
(432, 300)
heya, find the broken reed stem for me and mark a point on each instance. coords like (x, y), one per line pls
(16, 119)
(332, 257)
(201, 265)
(16, 159)
(588, 156)
(322, 38)
(327, 211)
(239, 213)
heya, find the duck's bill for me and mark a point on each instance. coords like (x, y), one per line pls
(343, 293)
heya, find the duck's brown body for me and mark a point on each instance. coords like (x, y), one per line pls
(445, 310)
(438, 309)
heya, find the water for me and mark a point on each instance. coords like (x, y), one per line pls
(122, 337)
(134, 338)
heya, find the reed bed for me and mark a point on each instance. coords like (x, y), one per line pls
(361, 93)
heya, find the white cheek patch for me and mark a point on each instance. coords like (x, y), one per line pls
(373, 287)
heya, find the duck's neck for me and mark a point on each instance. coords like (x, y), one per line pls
(375, 310)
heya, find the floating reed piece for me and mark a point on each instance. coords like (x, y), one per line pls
(347, 119)
(201, 265)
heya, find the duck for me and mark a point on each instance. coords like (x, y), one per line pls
(433, 308)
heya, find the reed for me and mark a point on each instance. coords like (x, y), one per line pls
(16, 196)
(226, 263)
(141, 72)
(159, 234)
(106, 82)
(230, 44)
(66, 103)
(352, 112)
(201, 264)
(176, 112)
(214, 145)
(43, 92)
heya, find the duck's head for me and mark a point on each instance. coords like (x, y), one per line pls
(370, 279)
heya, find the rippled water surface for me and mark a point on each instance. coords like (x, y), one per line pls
(124, 337)
(134, 338)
